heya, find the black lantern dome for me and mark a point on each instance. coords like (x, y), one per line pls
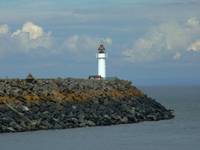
(101, 49)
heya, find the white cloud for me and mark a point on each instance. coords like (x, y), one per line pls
(34, 31)
(4, 29)
(167, 41)
(32, 36)
(195, 46)
(77, 44)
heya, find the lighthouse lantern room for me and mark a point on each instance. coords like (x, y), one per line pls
(101, 56)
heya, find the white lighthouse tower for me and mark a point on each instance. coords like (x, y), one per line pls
(101, 56)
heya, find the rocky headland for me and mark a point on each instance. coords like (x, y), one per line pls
(39, 104)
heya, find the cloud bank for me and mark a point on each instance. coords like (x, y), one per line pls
(29, 37)
(167, 41)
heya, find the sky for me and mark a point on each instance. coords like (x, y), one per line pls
(150, 42)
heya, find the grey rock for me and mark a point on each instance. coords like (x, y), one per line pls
(49, 113)
(124, 120)
(90, 123)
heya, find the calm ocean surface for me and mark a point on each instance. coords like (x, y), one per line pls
(181, 133)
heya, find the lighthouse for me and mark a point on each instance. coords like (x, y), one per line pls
(101, 56)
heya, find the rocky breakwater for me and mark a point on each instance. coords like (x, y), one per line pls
(36, 104)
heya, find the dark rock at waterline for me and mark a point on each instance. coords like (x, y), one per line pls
(37, 104)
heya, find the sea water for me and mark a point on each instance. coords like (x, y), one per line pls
(180, 133)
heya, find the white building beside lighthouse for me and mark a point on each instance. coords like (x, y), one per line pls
(101, 56)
